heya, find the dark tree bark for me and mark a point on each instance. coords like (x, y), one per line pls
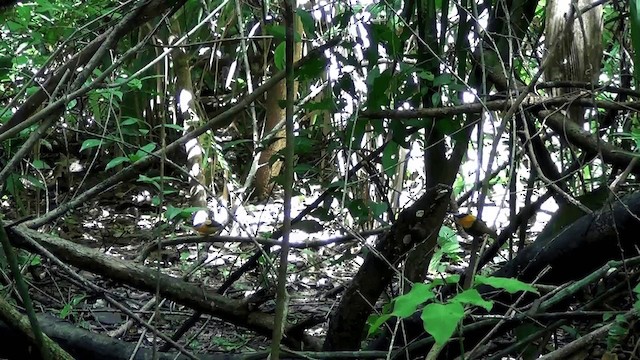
(416, 223)
(83, 344)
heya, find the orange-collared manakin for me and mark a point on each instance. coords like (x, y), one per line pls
(205, 224)
(474, 226)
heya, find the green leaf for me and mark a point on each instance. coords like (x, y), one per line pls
(65, 311)
(172, 212)
(436, 99)
(135, 84)
(279, 56)
(147, 149)
(90, 143)
(36, 260)
(441, 320)
(135, 157)
(398, 130)
(277, 31)
(359, 209)
(13, 185)
(147, 180)
(308, 23)
(312, 69)
(72, 104)
(326, 104)
(230, 144)
(377, 322)
(508, 284)
(390, 158)
(377, 208)
(407, 304)
(443, 79)
(473, 297)
(36, 182)
(117, 161)
(40, 165)
(171, 126)
(449, 126)
(451, 279)
(426, 75)
(130, 121)
(378, 91)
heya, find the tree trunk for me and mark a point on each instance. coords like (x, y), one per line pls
(275, 114)
(185, 108)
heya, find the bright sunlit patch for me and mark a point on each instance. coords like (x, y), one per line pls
(145, 222)
(184, 98)
(94, 224)
(469, 97)
(195, 170)
(142, 196)
(193, 148)
(76, 166)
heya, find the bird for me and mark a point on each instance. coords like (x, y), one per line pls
(204, 223)
(474, 226)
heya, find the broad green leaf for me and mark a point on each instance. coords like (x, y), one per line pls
(147, 180)
(308, 23)
(232, 143)
(90, 143)
(390, 158)
(435, 264)
(278, 32)
(508, 284)
(407, 304)
(13, 185)
(171, 126)
(377, 208)
(65, 311)
(130, 121)
(117, 161)
(36, 260)
(441, 320)
(398, 130)
(379, 320)
(445, 233)
(443, 79)
(378, 91)
(148, 148)
(135, 84)
(135, 157)
(451, 247)
(72, 104)
(358, 209)
(279, 57)
(172, 212)
(312, 69)
(40, 165)
(473, 297)
(326, 104)
(451, 279)
(436, 99)
(426, 75)
(35, 182)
